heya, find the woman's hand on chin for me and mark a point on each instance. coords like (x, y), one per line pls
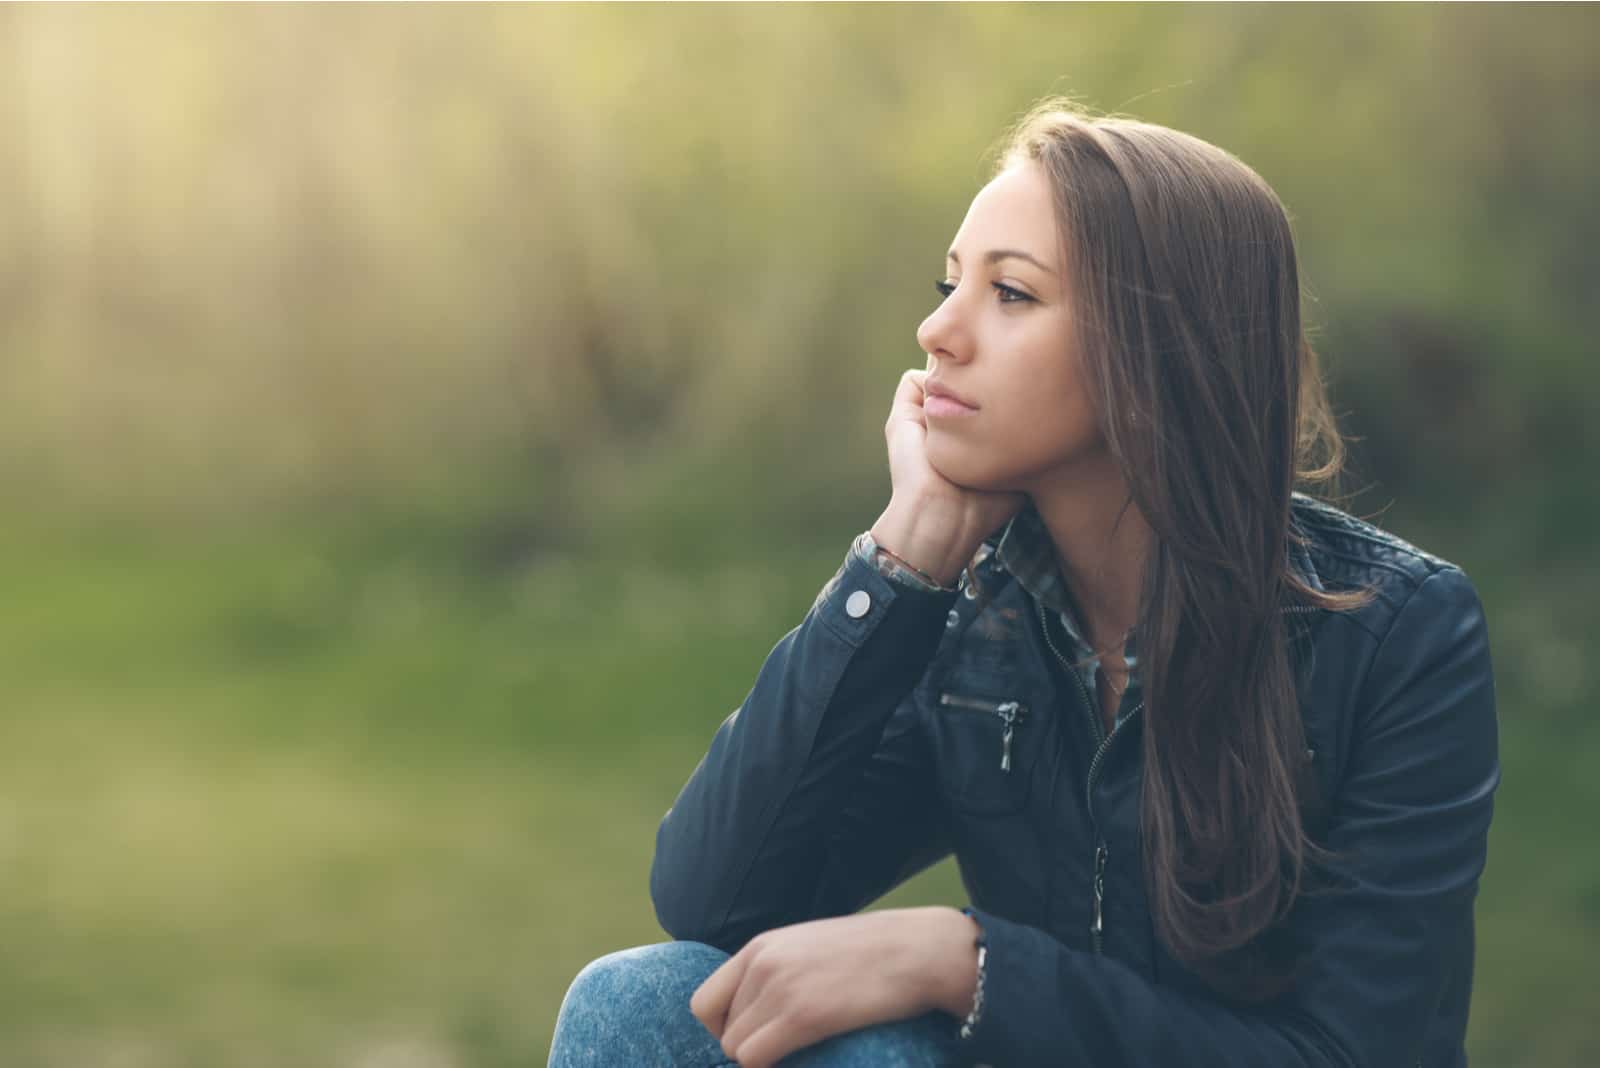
(931, 521)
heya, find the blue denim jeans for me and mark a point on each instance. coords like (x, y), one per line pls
(630, 1009)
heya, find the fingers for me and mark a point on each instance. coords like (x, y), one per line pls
(910, 390)
(908, 399)
(773, 1041)
(711, 1001)
(759, 1030)
(747, 1011)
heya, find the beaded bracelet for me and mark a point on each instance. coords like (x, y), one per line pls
(982, 944)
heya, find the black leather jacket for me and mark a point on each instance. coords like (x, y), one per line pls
(847, 770)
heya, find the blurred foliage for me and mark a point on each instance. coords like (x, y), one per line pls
(552, 262)
(417, 423)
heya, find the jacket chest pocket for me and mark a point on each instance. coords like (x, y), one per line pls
(984, 749)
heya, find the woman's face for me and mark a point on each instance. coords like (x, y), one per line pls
(1002, 341)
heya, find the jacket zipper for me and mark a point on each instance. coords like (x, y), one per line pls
(1010, 712)
(1101, 853)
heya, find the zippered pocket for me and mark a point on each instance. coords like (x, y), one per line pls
(1010, 713)
(983, 751)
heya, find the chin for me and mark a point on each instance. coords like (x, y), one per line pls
(962, 464)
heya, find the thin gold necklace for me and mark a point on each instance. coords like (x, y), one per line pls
(1101, 654)
(1120, 645)
(1116, 690)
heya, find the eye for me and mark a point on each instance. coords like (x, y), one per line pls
(1008, 295)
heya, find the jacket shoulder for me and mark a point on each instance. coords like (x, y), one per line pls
(1350, 553)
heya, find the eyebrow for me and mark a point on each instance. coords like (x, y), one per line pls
(998, 254)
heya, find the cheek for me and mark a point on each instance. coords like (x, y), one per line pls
(1064, 430)
(1061, 419)
(1054, 411)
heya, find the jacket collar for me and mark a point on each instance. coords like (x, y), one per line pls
(1299, 545)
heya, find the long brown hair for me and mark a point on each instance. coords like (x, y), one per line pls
(1186, 307)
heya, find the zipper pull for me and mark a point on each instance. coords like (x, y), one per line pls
(1007, 712)
(1099, 892)
(1010, 712)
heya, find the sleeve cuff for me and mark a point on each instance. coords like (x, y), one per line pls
(866, 549)
(860, 596)
(1009, 981)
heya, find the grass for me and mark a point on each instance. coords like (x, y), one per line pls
(282, 803)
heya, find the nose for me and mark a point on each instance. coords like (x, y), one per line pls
(944, 334)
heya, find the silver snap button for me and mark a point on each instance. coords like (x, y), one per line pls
(858, 604)
(953, 618)
(970, 592)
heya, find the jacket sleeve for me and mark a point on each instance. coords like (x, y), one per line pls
(1412, 815)
(815, 796)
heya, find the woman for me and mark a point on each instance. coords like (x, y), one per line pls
(1216, 759)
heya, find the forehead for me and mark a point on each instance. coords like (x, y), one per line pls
(1014, 210)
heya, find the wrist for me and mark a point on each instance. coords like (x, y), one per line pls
(933, 538)
(895, 569)
(954, 977)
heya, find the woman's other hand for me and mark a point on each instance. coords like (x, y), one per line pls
(792, 987)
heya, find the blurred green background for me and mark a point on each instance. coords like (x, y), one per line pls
(418, 424)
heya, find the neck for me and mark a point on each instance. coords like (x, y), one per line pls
(1102, 543)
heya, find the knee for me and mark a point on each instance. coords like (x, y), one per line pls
(651, 982)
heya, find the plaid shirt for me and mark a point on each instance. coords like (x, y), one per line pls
(1025, 550)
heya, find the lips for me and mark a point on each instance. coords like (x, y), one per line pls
(939, 389)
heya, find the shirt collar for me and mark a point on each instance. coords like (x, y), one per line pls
(1025, 550)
